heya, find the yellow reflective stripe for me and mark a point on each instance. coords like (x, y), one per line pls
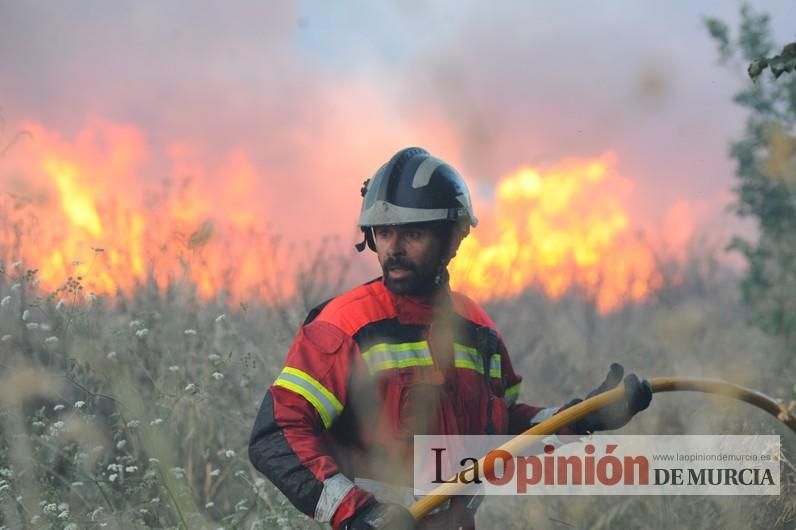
(469, 365)
(495, 369)
(401, 363)
(401, 347)
(386, 356)
(303, 384)
(511, 393)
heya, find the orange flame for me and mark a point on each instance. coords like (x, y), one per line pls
(566, 228)
(79, 207)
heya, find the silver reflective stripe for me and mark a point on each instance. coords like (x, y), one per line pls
(384, 213)
(511, 394)
(424, 171)
(543, 415)
(495, 369)
(387, 356)
(335, 488)
(328, 410)
(402, 495)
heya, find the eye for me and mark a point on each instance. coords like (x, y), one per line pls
(414, 235)
(383, 233)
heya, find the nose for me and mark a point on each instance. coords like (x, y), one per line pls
(392, 242)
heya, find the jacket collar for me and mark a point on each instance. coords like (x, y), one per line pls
(424, 308)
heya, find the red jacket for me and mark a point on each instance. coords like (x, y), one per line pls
(367, 371)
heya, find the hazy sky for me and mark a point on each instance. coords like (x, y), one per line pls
(319, 94)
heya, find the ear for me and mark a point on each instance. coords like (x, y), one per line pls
(455, 240)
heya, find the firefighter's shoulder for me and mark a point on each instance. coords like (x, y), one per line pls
(471, 310)
(353, 309)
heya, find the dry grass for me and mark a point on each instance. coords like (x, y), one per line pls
(138, 413)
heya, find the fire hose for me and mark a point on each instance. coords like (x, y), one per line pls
(568, 416)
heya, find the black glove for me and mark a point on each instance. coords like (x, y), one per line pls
(638, 395)
(382, 516)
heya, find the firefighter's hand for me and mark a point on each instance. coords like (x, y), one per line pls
(638, 394)
(382, 516)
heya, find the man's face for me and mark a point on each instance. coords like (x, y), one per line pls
(409, 256)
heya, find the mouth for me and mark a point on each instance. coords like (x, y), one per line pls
(398, 273)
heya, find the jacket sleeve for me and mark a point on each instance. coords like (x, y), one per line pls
(287, 442)
(521, 416)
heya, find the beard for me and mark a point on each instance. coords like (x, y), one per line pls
(414, 281)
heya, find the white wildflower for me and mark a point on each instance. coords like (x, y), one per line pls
(6, 338)
(58, 407)
(131, 469)
(210, 504)
(214, 357)
(63, 507)
(136, 324)
(111, 355)
(143, 510)
(25, 314)
(38, 424)
(132, 424)
(259, 482)
(174, 368)
(5, 301)
(46, 327)
(155, 500)
(190, 332)
(220, 318)
(59, 304)
(17, 264)
(50, 508)
(32, 325)
(112, 477)
(63, 515)
(80, 404)
(154, 461)
(7, 472)
(71, 526)
(218, 376)
(216, 472)
(51, 340)
(58, 425)
(190, 387)
(121, 444)
(156, 421)
(178, 472)
(141, 333)
(240, 473)
(16, 287)
(114, 467)
(229, 453)
(34, 520)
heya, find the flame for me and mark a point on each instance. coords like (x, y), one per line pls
(564, 228)
(80, 207)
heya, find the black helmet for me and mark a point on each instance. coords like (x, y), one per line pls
(414, 187)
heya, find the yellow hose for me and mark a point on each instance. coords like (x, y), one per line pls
(572, 414)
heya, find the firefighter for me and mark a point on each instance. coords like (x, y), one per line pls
(398, 356)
